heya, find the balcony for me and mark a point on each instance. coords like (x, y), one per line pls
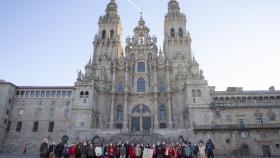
(235, 127)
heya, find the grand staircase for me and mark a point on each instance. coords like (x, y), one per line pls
(145, 137)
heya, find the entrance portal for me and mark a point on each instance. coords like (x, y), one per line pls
(141, 118)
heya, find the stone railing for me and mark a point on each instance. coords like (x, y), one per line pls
(245, 104)
(235, 127)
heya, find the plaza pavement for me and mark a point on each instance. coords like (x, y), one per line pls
(37, 156)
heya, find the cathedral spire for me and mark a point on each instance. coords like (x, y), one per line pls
(173, 6)
(112, 8)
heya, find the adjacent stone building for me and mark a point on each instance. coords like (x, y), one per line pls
(141, 93)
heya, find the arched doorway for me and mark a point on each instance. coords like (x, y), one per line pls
(141, 118)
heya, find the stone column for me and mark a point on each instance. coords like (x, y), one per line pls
(113, 96)
(170, 123)
(155, 98)
(125, 119)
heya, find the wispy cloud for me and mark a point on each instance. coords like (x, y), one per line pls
(138, 8)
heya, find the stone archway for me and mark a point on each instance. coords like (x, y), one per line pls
(141, 118)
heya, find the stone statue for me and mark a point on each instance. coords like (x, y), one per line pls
(80, 75)
(201, 75)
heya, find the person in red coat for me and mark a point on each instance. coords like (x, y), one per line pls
(170, 151)
(72, 151)
(131, 151)
(110, 151)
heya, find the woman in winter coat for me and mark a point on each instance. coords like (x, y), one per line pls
(72, 151)
(175, 150)
(131, 151)
(201, 152)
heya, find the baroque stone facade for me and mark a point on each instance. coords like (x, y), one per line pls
(141, 93)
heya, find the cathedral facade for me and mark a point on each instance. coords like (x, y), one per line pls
(141, 93)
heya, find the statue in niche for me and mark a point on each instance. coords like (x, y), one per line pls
(103, 74)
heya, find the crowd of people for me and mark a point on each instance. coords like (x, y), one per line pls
(126, 150)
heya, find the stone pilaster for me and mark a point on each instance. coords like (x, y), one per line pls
(125, 119)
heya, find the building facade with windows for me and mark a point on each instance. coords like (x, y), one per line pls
(141, 93)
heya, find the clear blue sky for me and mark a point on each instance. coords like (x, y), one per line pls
(44, 42)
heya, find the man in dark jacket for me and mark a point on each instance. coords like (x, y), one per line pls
(58, 150)
(209, 149)
(195, 151)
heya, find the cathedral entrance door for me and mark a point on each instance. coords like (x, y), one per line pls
(147, 123)
(135, 123)
(141, 118)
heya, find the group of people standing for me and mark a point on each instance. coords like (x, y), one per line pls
(127, 150)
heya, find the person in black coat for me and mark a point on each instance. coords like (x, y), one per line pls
(210, 149)
(58, 150)
(195, 151)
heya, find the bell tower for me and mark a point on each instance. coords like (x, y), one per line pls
(177, 40)
(107, 42)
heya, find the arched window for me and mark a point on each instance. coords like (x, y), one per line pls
(198, 93)
(140, 67)
(103, 36)
(120, 87)
(172, 32)
(181, 32)
(145, 109)
(86, 94)
(112, 34)
(193, 93)
(136, 109)
(161, 86)
(82, 94)
(162, 113)
(119, 113)
(140, 85)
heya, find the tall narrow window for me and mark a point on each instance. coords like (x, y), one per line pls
(198, 93)
(120, 113)
(103, 36)
(162, 113)
(112, 34)
(259, 119)
(86, 94)
(35, 126)
(172, 32)
(51, 126)
(181, 32)
(120, 87)
(161, 86)
(193, 93)
(241, 123)
(140, 85)
(82, 94)
(19, 124)
(140, 67)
